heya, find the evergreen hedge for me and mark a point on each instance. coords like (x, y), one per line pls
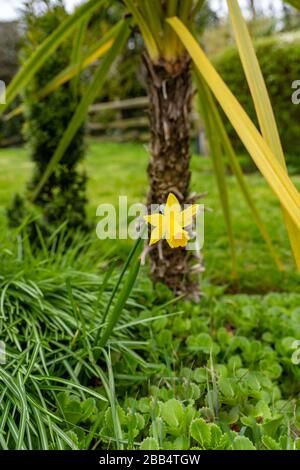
(280, 64)
(63, 197)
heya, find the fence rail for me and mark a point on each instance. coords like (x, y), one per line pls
(136, 127)
(124, 121)
(133, 103)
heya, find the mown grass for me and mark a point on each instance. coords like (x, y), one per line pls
(120, 169)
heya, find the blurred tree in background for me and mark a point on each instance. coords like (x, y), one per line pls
(63, 198)
(10, 131)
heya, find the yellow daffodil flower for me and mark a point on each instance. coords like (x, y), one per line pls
(170, 225)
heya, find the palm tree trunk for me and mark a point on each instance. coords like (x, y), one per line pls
(170, 92)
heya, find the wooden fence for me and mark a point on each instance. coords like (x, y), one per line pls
(108, 123)
(125, 121)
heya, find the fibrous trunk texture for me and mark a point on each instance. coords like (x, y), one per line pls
(170, 92)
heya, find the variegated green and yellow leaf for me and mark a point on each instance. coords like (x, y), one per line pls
(262, 105)
(259, 150)
(48, 47)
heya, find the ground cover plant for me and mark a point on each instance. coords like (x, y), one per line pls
(174, 375)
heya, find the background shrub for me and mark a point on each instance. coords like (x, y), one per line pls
(62, 199)
(10, 131)
(279, 60)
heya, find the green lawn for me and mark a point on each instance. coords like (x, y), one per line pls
(120, 169)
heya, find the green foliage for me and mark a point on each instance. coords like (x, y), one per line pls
(149, 444)
(129, 162)
(176, 375)
(240, 395)
(63, 198)
(82, 109)
(279, 61)
(52, 388)
(10, 131)
(217, 375)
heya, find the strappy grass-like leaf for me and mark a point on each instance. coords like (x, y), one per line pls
(133, 264)
(261, 153)
(150, 40)
(262, 105)
(98, 50)
(48, 47)
(220, 173)
(219, 129)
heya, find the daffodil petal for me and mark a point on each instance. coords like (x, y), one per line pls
(154, 219)
(172, 205)
(157, 220)
(188, 214)
(156, 235)
(173, 228)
